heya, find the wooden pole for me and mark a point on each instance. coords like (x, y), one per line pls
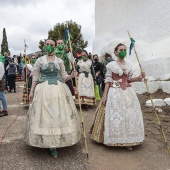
(26, 72)
(81, 114)
(156, 114)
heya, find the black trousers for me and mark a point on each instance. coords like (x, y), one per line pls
(103, 85)
(11, 82)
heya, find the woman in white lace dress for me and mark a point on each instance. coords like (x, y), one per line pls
(53, 121)
(85, 81)
(122, 123)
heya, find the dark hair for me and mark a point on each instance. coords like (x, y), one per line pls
(107, 55)
(53, 39)
(33, 55)
(120, 44)
(84, 52)
(95, 55)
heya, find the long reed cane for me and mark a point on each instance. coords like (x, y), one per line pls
(26, 72)
(81, 114)
(147, 87)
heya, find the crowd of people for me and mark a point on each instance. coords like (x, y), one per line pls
(9, 68)
(50, 86)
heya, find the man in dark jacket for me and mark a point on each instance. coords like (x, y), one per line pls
(6, 72)
(98, 68)
(108, 59)
(4, 112)
(11, 75)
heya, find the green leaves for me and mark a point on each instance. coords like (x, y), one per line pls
(41, 45)
(4, 45)
(58, 31)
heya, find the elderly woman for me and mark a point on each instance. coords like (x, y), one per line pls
(53, 121)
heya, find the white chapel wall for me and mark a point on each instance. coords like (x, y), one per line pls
(148, 23)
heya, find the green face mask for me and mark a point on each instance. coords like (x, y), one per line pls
(2, 59)
(49, 49)
(33, 61)
(84, 57)
(122, 54)
(60, 47)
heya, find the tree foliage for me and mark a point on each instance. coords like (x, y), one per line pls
(4, 45)
(58, 31)
(41, 45)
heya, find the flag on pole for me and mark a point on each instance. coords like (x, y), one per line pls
(66, 33)
(25, 46)
(131, 45)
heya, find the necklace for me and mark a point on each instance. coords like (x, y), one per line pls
(123, 67)
(51, 66)
(120, 63)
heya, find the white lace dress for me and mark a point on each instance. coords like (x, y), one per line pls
(52, 119)
(123, 124)
(85, 83)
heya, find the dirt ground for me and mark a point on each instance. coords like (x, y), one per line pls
(151, 155)
(152, 129)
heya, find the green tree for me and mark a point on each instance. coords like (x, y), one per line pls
(4, 45)
(58, 31)
(41, 45)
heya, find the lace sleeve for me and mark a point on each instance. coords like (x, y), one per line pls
(108, 76)
(63, 73)
(36, 75)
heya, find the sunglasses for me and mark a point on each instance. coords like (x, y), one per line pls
(60, 43)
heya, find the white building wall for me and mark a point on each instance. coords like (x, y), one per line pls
(149, 24)
(147, 21)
